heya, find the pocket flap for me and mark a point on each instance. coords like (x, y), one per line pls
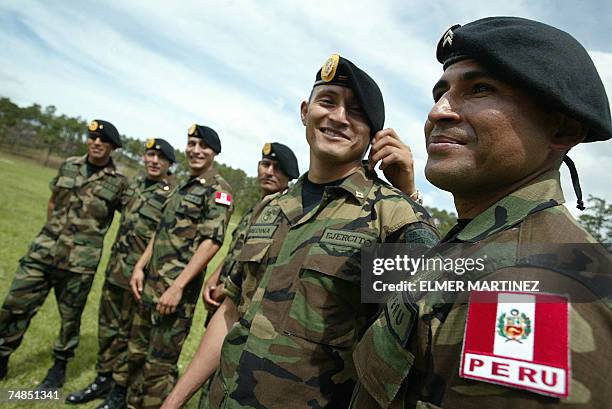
(65, 182)
(336, 261)
(150, 212)
(254, 250)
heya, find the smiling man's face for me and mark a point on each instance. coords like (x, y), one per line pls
(336, 127)
(483, 133)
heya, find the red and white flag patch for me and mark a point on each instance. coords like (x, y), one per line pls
(223, 198)
(519, 340)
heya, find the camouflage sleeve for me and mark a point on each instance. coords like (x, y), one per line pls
(420, 233)
(53, 182)
(238, 237)
(215, 218)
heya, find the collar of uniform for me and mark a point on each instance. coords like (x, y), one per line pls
(109, 168)
(358, 185)
(208, 177)
(541, 193)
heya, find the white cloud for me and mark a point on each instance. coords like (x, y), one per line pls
(243, 67)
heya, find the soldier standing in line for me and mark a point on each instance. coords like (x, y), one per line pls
(169, 275)
(515, 96)
(278, 165)
(65, 255)
(141, 213)
(284, 334)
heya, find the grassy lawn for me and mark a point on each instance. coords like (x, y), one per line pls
(24, 194)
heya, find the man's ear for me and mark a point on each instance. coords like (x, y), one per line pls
(570, 133)
(303, 111)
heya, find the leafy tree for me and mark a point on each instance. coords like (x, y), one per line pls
(443, 219)
(597, 219)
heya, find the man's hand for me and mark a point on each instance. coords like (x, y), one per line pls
(169, 300)
(207, 296)
(137, 282)
(395, 160)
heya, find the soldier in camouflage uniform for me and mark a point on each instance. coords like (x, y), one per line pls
(64, 256)
(168, 277)
(278, 165)
(143, 199)
(293, 302)
(498, 149)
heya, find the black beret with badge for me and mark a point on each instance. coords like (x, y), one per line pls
(284, 156)
(106, 131)
(338, 70)
(547, 62)
(161, 145)
(207, 134)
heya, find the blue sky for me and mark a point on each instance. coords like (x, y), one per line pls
(243, 67)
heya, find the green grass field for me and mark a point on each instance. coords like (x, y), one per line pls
(24, 194)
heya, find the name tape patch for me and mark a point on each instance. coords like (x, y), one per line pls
(264, 232)
(347, 238)
(518, 340)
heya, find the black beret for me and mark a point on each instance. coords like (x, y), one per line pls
(284, 156)
(548, 63)
(338, 70)
(161, 145)
(208, 135)
(106, 131)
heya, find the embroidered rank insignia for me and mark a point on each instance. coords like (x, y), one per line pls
(328, 70)
(150, 143)
(518, 340)
(267, 148)
(192, 130)
(93, 126)
(223, 198)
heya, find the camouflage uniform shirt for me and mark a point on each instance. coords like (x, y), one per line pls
(84, 208)
(190, 216)
(238, 237)
(421, 368)
(139, 219)
(299, 300)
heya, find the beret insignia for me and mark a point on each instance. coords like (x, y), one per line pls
(192, 130)
(447, 39)
(267, 148)
(93, 126)
(150, 143)
(328, 71)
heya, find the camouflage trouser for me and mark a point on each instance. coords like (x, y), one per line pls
(117, 307)
(154, 348)
(29, 289)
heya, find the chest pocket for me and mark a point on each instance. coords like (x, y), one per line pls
(326, 307)
(65, 182)
(107, 191)
(188, 214)
(151, 209)
(248, 275)
(149, 216)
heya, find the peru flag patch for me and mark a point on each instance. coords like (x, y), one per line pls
(519, 340)
(223, 198)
